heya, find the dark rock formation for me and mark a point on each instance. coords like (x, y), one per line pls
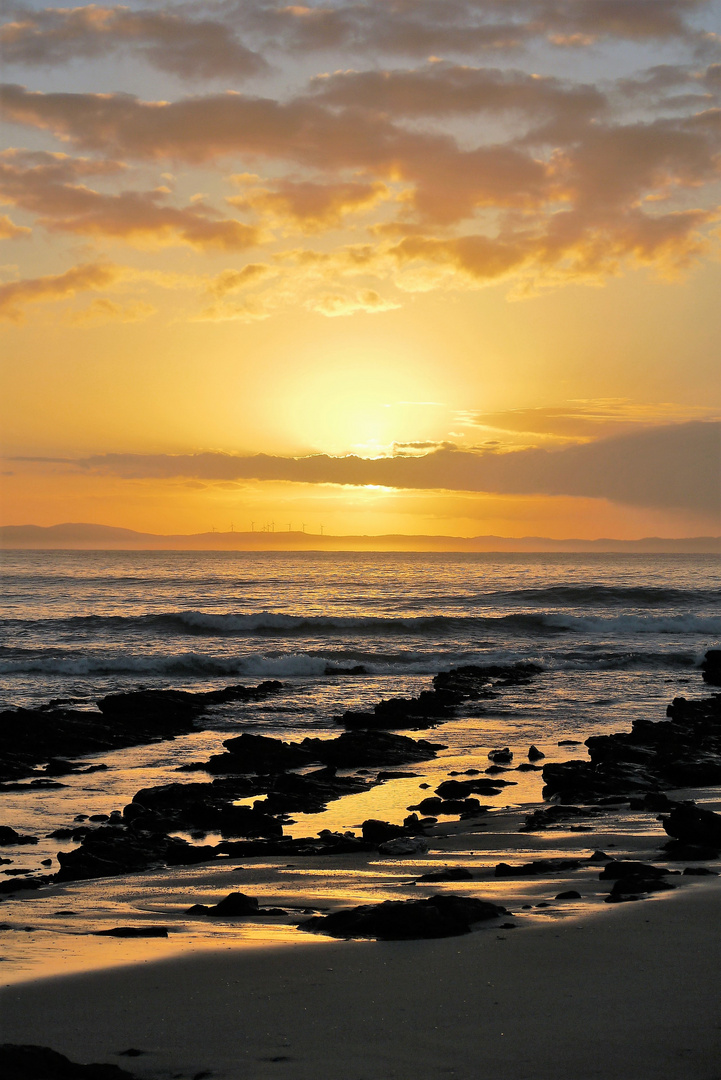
(682, 751)
(538, 866)
(397, 920)
(625, 868)
(111, 850)
(29, 737)
(692, 825)
(452, 873)
(9, 836)
(200, 806)
(552, 816)
(40, 1063)
(711, 667)
(451, 689)
(436, 805)
(461, 789)
(233, 906)
(133, 932)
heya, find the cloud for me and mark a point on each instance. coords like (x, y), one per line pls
(441, 26)
(15, 295)
(104, 310)
(191, 48)
(232, 281)
(10, 231)
(309, 205)
(49, 185)
(674, 466)
(442, 89)
(586, 419)
(335, 304)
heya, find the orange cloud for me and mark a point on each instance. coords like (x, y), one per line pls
(309, 205)
(191, 48)
(15, 295)
(10, 231)
(48, 185)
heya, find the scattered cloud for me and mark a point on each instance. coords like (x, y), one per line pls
(188, 47)
(335, 304)
(50, 186)
(589, 419)
(15, 295)
(309, 206)
(10, 231)
(103, 310)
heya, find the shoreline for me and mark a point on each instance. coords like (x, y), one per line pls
(627, 991)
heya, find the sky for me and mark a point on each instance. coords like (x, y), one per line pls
(413, 266)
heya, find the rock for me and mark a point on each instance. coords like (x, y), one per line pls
(692, 825)
(635, 884)
(654, 801)
(111, 850)
(430, 707)
(461, 789)
(678, 849)
(377, 832)
(472, 681)
(552, 816)
(501, 757)
(404, 845)
(29, 737)
(534, 754)
(258, 753)
(398, 920)
(20, 884)
(204, 806)
(699, 871)
(234, 905)
(569, 894)
(711, 667)
(624, 868)
(452, 873)
(682, 751)
(133, 932)
(19, 1062)
(354, 749)
(526, 766)
(436, 806)
(538, 866)
(9, 836)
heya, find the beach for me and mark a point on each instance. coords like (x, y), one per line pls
(632, 991)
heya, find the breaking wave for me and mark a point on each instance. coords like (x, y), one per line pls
(270, 623)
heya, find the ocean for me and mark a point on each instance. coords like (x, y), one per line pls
(78, 624)
(616, 638)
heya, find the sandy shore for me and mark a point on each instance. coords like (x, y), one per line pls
(631, 991)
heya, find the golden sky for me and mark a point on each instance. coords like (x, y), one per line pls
(419, 266)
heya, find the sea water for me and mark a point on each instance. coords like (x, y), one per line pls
(616, 638)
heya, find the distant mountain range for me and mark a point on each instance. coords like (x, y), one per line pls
(73, 535)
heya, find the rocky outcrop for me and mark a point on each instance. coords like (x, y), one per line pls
(29, 737)
(682, 751)
(397, 920)
(40, 1063)
(450, 690)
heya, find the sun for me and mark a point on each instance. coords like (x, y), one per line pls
(360, 408)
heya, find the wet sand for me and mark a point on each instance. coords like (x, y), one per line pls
(629, 991)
